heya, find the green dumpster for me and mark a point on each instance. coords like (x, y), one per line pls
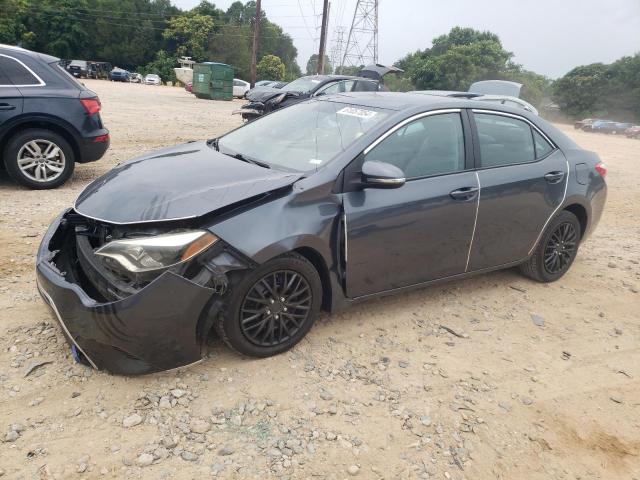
(213, 81)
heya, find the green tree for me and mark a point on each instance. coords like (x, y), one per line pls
(270, 67)
(312, 65)
(581, 91)
(190, 34)
(163, 65)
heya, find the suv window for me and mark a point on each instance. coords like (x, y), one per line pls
(504, 140)
(16, 72)
(543, 148)
(428, 146)
(366, 86)
(337, 87)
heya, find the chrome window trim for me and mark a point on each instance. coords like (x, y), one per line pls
(41, 82)
(346, 237)
(475, 223)
(517, 117)
(404, 122)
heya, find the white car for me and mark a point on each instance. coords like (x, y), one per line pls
(240, 87)
(152, 79)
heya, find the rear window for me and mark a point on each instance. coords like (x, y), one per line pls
(17, 73)
(504, 140)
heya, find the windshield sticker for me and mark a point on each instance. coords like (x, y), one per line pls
(315, 81)
(315, 161)
(357, 112)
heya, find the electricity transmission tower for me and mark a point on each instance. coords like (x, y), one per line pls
(338, 47)
(362, 44)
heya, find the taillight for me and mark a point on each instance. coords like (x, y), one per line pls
(101, 138)
(601, 168)
(91, 105)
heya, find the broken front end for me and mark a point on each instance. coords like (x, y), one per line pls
(134, 299)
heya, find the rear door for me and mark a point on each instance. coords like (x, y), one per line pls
(523, 179)
(11, 101)
(422, 230)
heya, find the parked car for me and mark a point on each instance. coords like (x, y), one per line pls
(48, 120)
(633, 132)
(264, 83)
(135, 78)
(118, 75)
(263, 100)
(78, 68)
(240, 88)
(615, 128)
(152, 79)
(595, 125)
(580, 124)
(353, 196)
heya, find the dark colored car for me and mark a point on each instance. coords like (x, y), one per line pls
(596, 125)
(633, 131)
(118, 75)
(48, 120)
(613, 128)
(78, 68)
(263, 100)
(328, 202)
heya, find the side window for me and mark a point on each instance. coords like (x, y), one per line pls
(337, 87)
(236, 83)
(431, 145)
(366, 86)
(504, 140)
(16, 72)
(543, 148)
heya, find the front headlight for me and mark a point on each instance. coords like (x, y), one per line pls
(145, 254)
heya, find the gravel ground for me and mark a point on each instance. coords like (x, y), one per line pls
(491, 377)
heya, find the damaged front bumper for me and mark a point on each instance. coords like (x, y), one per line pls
(160, 327)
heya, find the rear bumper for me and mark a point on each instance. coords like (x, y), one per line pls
(152, 330)
(92, 150)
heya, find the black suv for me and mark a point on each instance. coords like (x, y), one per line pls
(48, 120)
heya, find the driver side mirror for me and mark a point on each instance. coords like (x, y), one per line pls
(381, 175)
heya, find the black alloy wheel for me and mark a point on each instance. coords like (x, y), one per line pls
(560, 248)
(556, 250)
(275, 308)
(272, 307)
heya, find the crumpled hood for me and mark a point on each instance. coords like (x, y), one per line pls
(263, 94)
(179, 182)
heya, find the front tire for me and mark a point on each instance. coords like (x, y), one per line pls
(39, 159)
(271, 308)
(556, 250)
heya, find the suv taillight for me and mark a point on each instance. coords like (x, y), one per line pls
(91, 105)
(601, 168)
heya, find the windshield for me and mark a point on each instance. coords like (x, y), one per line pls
(303, 84)
(302, 137)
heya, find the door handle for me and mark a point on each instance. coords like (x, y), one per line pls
(465, 193)
(554, 177)
(6, 106)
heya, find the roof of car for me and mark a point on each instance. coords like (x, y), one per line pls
(24, 51)
(404, 101)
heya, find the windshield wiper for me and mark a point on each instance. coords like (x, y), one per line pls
(240, 156)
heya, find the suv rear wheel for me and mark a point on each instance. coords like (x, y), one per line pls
(39, 159)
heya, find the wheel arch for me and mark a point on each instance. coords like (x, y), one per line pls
(316, 259)
(46, 123)
(581, 213)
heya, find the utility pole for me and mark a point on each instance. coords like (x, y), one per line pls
(323, 36)
(256, 35)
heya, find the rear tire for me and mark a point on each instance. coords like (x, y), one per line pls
(556, 249)
(39, 159)
(270, 309)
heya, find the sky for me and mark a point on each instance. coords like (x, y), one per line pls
(547, 36)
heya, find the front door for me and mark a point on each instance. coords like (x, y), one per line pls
(523, 179)
(422, 230)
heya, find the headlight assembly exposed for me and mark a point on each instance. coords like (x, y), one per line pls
(146, 254)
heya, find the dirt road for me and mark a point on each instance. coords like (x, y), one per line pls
(450, 382)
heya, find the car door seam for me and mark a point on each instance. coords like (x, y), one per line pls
(564, 196)
(475, 223)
